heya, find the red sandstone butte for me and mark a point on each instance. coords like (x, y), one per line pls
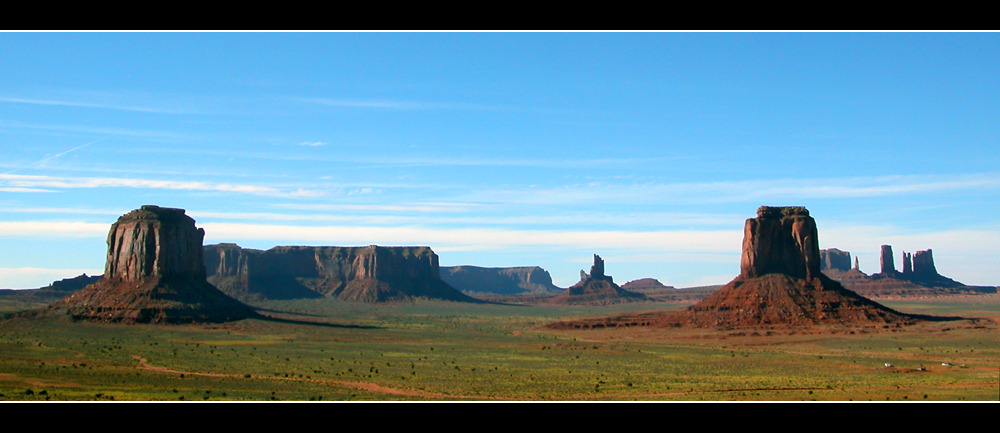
(154, 274)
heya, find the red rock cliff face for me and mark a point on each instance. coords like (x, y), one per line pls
(154, 274)
(886, 262)
(369, 274)
(780, 240)
(832, 258)
(154, 241)
(923, 264)
(780, 282)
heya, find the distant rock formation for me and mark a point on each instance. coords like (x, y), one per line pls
(919, 279)
(53, 292)
(646, 284)
(923, 266)
(832, 258)
(780, 283)
(888, 266)
(154, 274)
(364, 274)
(499, 281)
(597, 289)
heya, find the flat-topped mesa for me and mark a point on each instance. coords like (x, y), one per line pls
(368, 274)
(923, 264)
(780, 240)
(154, 241)
(499, 281)
(832, 258)
(888, 266)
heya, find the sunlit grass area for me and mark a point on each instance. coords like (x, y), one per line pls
(332, 350)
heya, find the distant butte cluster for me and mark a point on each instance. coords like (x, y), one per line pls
(596, 288)
(780, 283)
(919, 277)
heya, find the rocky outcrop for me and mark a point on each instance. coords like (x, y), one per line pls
(154, 274)
(499, 281)
(779, 284)
(597, 289)
(907, 264)
(888, 266)
(781, 240)
(832, 258)
(923, 266)
(365, 274)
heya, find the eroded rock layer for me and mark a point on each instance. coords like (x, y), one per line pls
(366, 274)
(832, 258)
(500, 281)
(154, 274)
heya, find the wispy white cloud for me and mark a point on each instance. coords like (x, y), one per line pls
(30, 181)
(425, 214)
(363, 161)
(397, 207)
(312, 143)
(53, 229)
(9, 189)
(58, 210)
(388, 104)
(481, 238)
(144, 133)
(88, 105)
(744, 191)
(54, 156)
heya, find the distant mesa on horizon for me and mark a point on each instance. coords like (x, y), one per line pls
(362, 274)
(54, 291)
(646, 284)
(473, 280)
(154, 274)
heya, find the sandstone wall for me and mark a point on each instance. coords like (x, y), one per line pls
(923, 264)
(832, 258)
(411, 271)
(780, 240)
(154, 242)
(885, 260)
(503, 281)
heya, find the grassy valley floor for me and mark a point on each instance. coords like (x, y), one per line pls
(333, 350)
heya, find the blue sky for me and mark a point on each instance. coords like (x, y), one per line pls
(504, 149)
